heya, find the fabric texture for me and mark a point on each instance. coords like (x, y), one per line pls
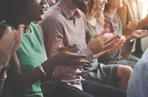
(114, 25)
(30, 54)
(138, 83)
(62, 28)
(126, 14)
(90, 89)
(97, 71)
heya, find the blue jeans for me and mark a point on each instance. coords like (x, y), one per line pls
(90, 89)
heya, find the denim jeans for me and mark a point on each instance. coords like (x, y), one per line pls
(90, 89)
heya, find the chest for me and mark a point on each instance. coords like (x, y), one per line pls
(74, 33)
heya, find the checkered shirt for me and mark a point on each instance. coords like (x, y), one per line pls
(62, 28)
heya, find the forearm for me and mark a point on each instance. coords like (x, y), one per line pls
(23, 80)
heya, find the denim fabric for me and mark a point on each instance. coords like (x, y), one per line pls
(90, 89)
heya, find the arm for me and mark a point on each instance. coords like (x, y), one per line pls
(19, 80)
(9, 43)
(122, 12)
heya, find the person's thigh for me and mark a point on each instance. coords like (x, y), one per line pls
(101, 90)
(64, 90)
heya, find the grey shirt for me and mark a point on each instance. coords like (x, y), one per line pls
(114, 25)
(90, 31)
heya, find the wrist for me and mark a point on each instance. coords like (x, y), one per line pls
(142, 23)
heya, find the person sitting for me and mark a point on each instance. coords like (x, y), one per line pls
(29, 66)
(113, 22)
(132, 10)
(65, 25)
(9, 44)
(116, 74)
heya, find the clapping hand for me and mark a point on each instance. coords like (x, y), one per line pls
(140, 34)
(130, 28)
(119, 44)
(102, 42)
(9, 44)
(63, 58)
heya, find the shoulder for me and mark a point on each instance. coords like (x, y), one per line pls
(82, 15)
(2, 30)
(39, 27)
(51, 17)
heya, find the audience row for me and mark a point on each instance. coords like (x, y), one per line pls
(74, 50)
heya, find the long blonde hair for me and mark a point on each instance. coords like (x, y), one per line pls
(89, 11)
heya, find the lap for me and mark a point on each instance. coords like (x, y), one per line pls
(90, 89)
(105, 74)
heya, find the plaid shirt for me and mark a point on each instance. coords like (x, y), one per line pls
(51, 2)
(62, 28)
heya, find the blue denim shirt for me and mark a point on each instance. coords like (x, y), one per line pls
(138, 83)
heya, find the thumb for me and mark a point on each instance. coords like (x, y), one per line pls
(114, 33)
(94, 36)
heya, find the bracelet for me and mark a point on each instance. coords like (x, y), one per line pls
(131, 40)
(41, 68)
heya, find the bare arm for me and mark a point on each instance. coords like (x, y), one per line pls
(19, 80)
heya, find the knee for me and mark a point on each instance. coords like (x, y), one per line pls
(124, 71)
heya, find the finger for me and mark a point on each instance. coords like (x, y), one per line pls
(112, 43)
(114, 33)
(94, 36)
(18, 37)
(73, 66)
(113, 38)
(79, 62)
(103, 32)
(60, 48)
(75, 56)
(69, 47)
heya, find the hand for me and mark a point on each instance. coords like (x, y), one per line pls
(62, 57)
(119, 44)
(140, 34)
(102, 42)
(130, 28)
(9, 44)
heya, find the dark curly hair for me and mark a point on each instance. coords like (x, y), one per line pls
(10, 9)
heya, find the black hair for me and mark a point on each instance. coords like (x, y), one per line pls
(10, 9)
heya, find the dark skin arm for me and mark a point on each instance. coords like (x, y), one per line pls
(20, 80)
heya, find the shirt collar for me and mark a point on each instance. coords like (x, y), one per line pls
(66, 11)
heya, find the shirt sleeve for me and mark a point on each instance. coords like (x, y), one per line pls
(138, 83)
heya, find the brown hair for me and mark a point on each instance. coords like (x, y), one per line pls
(89, 11)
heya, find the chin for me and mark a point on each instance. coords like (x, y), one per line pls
(40, 18)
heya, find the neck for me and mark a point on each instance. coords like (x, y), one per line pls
(111, 11)
(71, 6)
(93, 20)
